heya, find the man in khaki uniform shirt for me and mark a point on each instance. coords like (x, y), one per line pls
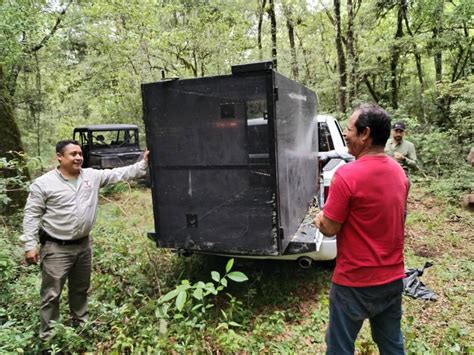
(400, 149)
(61, 209)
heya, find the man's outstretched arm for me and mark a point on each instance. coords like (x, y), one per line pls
(130, 172)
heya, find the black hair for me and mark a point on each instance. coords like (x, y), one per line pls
(375, 117)
(62, 144)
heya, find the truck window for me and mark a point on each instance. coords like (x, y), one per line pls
(339, 130)
(81, 138)
(325, 140)
(115, 138)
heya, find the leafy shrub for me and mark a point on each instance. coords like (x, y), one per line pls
(7, 267)
(438, 152)
(454, 186)
(14, 175)
(443, 165)
(192, 303)
(110, 190)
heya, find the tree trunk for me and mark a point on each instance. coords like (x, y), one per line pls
(438, 58)
(195, 64)
(419, 68)
(38, 104)
(271, 15)
(10, 145)
(370, 88)
(462, 59)
(438, 63)
(341, 60)
(396, 56)
(306, 67)
(259, 27)
(350, 52)
(437, 30)
(291, 36)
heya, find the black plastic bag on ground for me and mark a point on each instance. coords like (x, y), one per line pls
(413, 287)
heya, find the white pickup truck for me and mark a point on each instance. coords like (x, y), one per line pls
(333, 153)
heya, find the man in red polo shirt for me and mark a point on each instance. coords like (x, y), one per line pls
(366, 209)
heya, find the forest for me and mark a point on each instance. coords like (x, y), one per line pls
(65, 64)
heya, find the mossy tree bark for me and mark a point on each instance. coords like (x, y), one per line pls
(10, 145)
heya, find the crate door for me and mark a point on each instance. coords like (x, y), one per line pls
(213, 188)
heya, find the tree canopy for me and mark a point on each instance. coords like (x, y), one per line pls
(67, 63)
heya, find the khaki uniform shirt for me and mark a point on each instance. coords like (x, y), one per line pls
(405, 148)
(65, 211)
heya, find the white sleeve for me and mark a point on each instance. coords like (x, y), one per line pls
(131, 172)
(34, 210)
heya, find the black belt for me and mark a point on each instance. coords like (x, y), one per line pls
(45, 237)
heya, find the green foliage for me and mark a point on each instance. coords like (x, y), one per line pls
(443, 165)
(8, 267)
(135, 305)
(192, 304)
(453, 187)
(17, 292)
(116, 188)
(14, 175)
(435, 151)
(444, 140)
(459, 119)
(89, 71)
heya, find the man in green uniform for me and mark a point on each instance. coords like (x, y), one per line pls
(400, 149)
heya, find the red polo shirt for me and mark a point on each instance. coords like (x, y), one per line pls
(368, 197)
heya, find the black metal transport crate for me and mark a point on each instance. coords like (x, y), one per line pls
(233, 160)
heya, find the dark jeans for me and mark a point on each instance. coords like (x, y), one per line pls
(349, 306)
